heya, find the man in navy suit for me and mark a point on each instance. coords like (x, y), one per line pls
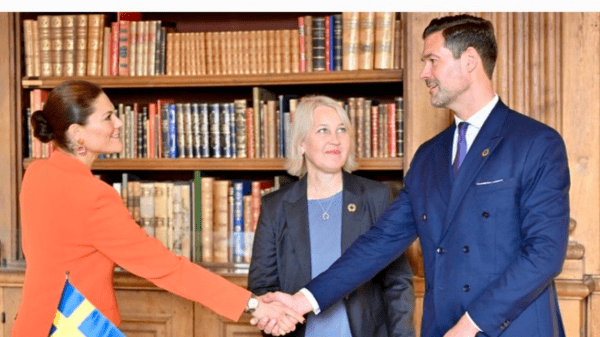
(489, 201)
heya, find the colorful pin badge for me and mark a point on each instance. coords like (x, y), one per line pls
(351, 208)
(485, 152)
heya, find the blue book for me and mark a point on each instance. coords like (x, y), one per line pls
(232, 130)
(214, 122)
(173, 153)
(240, 189)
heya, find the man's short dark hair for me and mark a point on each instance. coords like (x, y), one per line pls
(463, 31)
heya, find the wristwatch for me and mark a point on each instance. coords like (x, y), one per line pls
(252, 304)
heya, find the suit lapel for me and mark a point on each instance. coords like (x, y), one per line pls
(442, 164)
(482, 148)
(351, 199)
(296, 214)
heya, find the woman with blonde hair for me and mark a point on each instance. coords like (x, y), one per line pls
(305, 226)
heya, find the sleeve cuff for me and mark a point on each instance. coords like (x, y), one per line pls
(311, 299)
(473, 322)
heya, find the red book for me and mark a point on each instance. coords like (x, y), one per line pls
(327, 43)
(114, 49)
(391, 130)
(250, 132)
(301, 35)
(130, 16)
(152, 130)
(124, 51)
(374, 131)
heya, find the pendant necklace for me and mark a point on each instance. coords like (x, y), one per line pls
(325, 215)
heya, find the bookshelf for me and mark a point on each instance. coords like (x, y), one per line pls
(382, 84)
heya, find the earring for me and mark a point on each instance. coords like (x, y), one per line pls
(81, 149)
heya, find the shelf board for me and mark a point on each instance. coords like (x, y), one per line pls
(164, 81)
(222, 164)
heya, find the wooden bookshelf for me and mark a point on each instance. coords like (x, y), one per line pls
(222, 164)
(164, 81)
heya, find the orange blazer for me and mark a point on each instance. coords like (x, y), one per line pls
(72, 221)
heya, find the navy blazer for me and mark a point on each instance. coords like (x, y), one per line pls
(493, 239)
(281, 261)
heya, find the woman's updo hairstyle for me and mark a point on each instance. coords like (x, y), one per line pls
(69, 103)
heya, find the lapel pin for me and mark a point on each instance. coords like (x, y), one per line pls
(485, 152)
(351, 208)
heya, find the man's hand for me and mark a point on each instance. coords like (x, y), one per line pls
(464, 328)
(277, 318)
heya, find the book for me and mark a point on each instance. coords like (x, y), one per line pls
(151, 53)
(248, 233)
(240, 106)
(398, 41)
(318, 43)
(68, 45)
(221, 224)
(384, 37)
(204, 131)
(36, 47)
(160, 212)
(301, 45)
(188, 136)
(225, 130)
(360, 127)
(180, 129)
(214, 129)
(104, 63)
(286, 51)
(241, 188)
(186, 216)
(132, 55)
(328, 44)
(196, 140)
(152, 130)
(271, 51)
(374, 131)
(259, 94)
(45, 45)
(350, 40)
(308, 42)
(139, 49)
(123, 61)
(114, 49)
(366, 40)
(367, 128)
(56, 44)
(207, 203)
(337, 42)
(197, 218)
(250, 132)
(81, 44)
(391, 130)
(399, 126)
(172, 130)
(95, 44)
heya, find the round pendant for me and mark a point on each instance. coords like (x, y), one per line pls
(325, 216)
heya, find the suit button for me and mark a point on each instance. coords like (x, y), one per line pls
(466, 288)
(440, 250)
(485, 215)
(466, 249)
(424, 217)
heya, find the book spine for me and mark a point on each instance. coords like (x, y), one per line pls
(186, 224)
(56, 46)
(147, 208)
(328, 44)
(382, 141)
(238, 222)
(337, 42)
(172, 115)
(295, 50)
(214, 124)
(177, 223)
(240, 124)
(398, 45)
(132, 55)
(366, 40)
(141, 34)
(164, 114)
(45, 45)
(152, 131)
(124, 48)
(36, 47)
(105, 55)
(204, 131)
(157, 47)
(81, 33)
(187, 131)
(301, 44)
(350, 40)
(384, 35)
(318, 43)
(232, 130)
(170, 215)
(391, 130)
(160, 212)
(180, 116)
(151, 56)
(248, 233)
(221, 218)
(225, 130)
(359, 126)
(207, 204)
(250, 132)
(308, 42)
(114, 49)
(196, 151)
(255, 194)
(399, 126)
(197, 244)
(367, 128)
(28, 44)
(94, 39)
(271, 50)
(374, 131)
(286, 51)
(68, 45)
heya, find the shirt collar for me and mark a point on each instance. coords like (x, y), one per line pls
(479, 118)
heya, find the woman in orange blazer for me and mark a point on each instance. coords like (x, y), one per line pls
(72, 221)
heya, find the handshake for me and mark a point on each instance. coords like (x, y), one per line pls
(278, 313)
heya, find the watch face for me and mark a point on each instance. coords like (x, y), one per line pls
(253, 303)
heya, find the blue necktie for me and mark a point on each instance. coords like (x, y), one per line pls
(461, 149)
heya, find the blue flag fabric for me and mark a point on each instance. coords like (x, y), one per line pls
(77, 317)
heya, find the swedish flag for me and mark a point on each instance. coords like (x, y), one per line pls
(77, 317)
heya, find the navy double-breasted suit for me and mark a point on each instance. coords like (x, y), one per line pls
(493, 238)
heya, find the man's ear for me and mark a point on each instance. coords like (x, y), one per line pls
(471, 59)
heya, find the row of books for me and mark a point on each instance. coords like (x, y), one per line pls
(81, 45)
(166, 129)
(206, 220)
